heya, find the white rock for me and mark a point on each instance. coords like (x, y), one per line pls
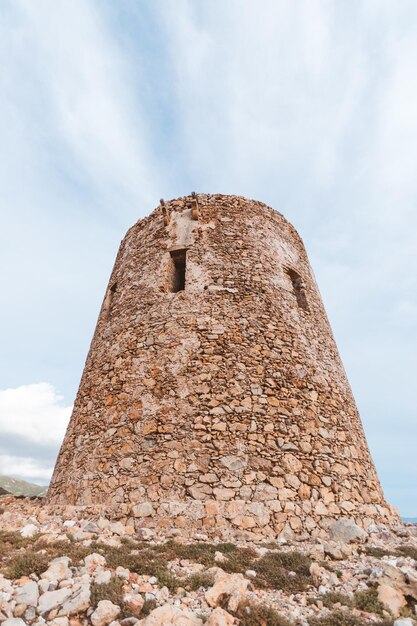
(346, 531)
(53, 599)
(168, 615)
(28, 594)
(122, 572)
(404, 621)
(93, 561)
(58, 570)
(103, 523)
(13, 621)
(59, 621)
(162, 595)
(391, 598)
(220, 617)
(227, 586)
(144, 534)
(234, 463)
(79, 600)
(91, 527)
(118, 528)
(5, 584)
(143, 509)
(219, 557)
(134, 602)
(43, 585)
(105, 613)
(29, 530)
(103, 578)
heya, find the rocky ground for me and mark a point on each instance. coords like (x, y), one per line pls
(69, 570)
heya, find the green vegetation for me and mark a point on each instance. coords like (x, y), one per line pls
(112, 591)
(335, 597)
(196, 581)
(250, 614)
(408, 551)
(336, 618)
(25, 564)
(368, 601)
(289, 571)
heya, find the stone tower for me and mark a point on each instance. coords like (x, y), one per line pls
(213, 396)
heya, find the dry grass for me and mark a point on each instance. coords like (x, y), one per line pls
(25, 564)
(198, 581)
(112, 591)
(406, 551)
(335, 597)
(336, 618)
(289, 571)
(368, 601)
(23, 556)
(250, 614)
(409, 551)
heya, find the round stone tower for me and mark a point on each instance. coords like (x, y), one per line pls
(213, 396)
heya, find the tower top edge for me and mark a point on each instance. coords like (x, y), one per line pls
(210, 199)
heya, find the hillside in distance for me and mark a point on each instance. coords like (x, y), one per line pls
(20, 487)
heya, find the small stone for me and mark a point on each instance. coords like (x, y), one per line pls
(219, 557)
(103, 578)
(13, 621)
(134, 602)
(118, 528)
(79, 600)
(228, 587)
(93, 561)
(233, 463)
(145, 534)
(143, 509)
(28, 594)
(53, 599)
(59, 621)
(346, 531)
(58, 570)
(168, 615)
(122, 572)
(220, 617)
(29, 530)
(105, 613)
(391, 598)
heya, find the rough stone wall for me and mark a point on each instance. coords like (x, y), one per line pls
(225, 405)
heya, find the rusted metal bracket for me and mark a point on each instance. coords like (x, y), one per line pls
(165, 212)
(195, 209)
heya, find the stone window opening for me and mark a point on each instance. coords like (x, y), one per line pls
(298, 288)
(109, 300)
(179, 261)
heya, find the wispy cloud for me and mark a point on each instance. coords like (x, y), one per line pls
(32, 425)
(309, 106)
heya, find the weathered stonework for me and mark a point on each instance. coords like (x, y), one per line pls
(222, 406)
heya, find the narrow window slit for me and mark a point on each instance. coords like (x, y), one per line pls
(109, 300)
(298, 288)
(179, 261)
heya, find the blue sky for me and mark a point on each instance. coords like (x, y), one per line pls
(106, 106)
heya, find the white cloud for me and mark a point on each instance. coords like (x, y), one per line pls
(33, 421)
(25, 468)
(34, 412)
